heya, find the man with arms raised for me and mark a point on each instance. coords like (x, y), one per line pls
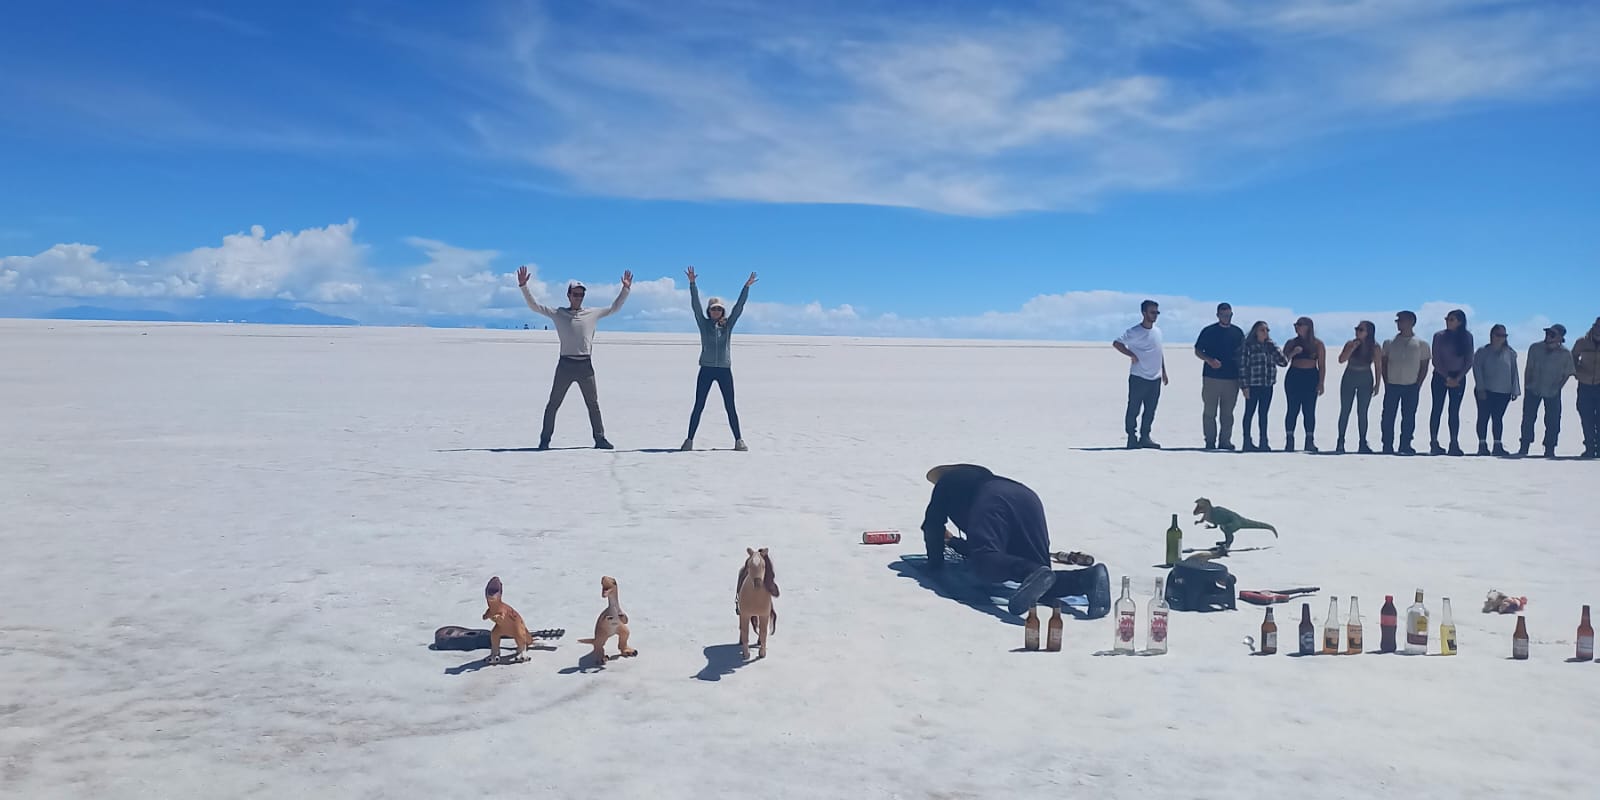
(575, 327)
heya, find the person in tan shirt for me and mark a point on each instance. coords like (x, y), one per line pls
(1586, 362)
(1405, 364)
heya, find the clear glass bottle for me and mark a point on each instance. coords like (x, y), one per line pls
(1447, 630)
(1125, 616)
(1330, 629)
(1417, 627)
(1157, 642)
(1352, 629)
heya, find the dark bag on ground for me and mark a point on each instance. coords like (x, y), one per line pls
(1195, 585)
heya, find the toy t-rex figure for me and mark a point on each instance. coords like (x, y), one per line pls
(611, 622)
(507, 623)
(1227, 521)
(757, 586)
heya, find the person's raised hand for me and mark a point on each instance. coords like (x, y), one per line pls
(690, 273)
(522, 276)
(752, 280)
(627, 279)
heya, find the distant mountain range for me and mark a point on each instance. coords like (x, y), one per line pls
(268, 314)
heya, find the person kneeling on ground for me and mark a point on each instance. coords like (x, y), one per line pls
(1006, 538)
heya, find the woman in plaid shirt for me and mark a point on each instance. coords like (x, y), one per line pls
(1259, 359)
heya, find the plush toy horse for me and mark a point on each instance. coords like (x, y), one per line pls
(757, 587)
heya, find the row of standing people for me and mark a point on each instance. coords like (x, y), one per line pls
(575, 327)
(1246, 363)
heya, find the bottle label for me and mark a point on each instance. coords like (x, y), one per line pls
(1585, 648)
(1055, 639)
(1269, 641)
(1125, 628)
(1519, 648)
(1449, 642)
(1158, 628)
(1353, 636)
(1308, 642)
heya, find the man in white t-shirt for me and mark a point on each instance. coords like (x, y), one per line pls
(1146, 376)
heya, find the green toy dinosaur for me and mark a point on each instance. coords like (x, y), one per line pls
(1227, 521)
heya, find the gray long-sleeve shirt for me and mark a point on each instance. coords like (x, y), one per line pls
(715, 344)
(1548, 369)
(1494, 369)
(575, 329)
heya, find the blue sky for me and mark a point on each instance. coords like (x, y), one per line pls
(1028, 169)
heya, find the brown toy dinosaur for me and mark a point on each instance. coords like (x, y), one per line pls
(611, 622)
(757, 586)
(507, 623)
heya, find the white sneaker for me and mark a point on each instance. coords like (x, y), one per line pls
(688, 444)
(739, 445)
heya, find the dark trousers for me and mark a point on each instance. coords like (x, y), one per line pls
(1552, 418)
(1142, 394)
(1355, 391)
(1260, 400)
(723, 378)
(1492, 409)
(1402, 398)
(1300, 390)
(1006, 535)
(1589, 415)
(569, 371)
(1439, 392)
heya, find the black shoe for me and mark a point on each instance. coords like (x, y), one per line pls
(1338, 447)
(1033, 587)
(544, 443)
(1225, 446)
(1388, 449)
(1210, 445)
(1288, 444)
(1264, 446)
(1549, 452)
(1500, 451)
(600, 443)
(1435, 450)
(1522, 452)
(1133, 442)
(1406, 450)
(1455, 449)
(1311, 444)
(1149, 443)
(1364, 449)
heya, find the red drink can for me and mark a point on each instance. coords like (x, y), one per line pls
(880, 537)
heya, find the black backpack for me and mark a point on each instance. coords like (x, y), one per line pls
(1195, 585)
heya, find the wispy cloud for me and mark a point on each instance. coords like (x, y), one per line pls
(330, 269)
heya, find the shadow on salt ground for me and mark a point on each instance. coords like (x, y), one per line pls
(952, 585)
(1124, 449)
(588, 663)
(552, 449)
(474, 666)
(723, 659)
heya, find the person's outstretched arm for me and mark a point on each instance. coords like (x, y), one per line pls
(527, 296)
(738, 306)
(622, 296)
(694, 299)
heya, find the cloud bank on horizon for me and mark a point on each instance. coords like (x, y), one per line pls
(328, 269)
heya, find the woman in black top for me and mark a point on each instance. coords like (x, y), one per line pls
(1302, 384)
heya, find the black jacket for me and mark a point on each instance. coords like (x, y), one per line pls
(951, 500)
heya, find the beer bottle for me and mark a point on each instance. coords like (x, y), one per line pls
(1269, 635)
(1156, 641)
(1585, 638)
(1174, 542)
(1388, 621)
(1308, 631)
(1053, 640)
(1519, 640)
(1352, 631)
(1126, 611)
(1330, 629)
(1417, 627)
(1447, 632)
(1030, 634)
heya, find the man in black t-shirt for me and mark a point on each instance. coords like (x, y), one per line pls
(1218, 346)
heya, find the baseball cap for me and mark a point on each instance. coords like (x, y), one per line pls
(1558, 328)
(576, 285)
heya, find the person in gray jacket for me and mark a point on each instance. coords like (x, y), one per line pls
(1494, 374)
(575, 327)
(716, 359)
(1549, 367)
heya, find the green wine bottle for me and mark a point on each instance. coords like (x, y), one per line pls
(1174, 541)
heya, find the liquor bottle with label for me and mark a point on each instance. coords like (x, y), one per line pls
(1585, 637)
(1126, 611)
(1447, 630)
(1174, 541)
(1417, 627)
(1308, 631)
(1330, 629)
(1352, 629)
(1030, 631)
(1269, 634)
(1519, 640)
(1156, 644)
(1388, 621)
(1053, 638)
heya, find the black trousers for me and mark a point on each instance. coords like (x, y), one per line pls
(1300, 390)
(1142, 394)
(1439, 392)
(1402, 398)
(1589, 415)
(1260, 400)
(1006, 535)
(569, 371)
(723, 378)
(1552, 418)
(1492, 409)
